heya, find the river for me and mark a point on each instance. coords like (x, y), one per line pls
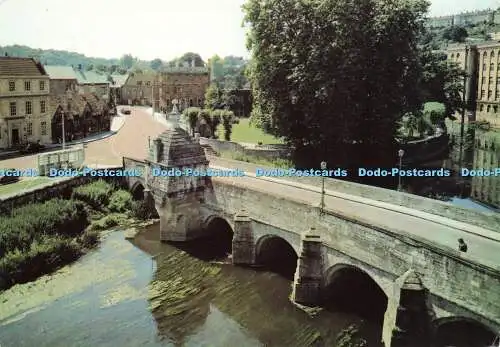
(147, 293)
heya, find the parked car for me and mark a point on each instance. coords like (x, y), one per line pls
(32, 147)
(125, 111)
(8, 179)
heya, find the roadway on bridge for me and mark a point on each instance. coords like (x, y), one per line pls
(481, 249)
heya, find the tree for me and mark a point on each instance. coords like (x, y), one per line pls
(127, 61)
(213, 97)
(455, 33)
(227, 123)
(215, 120)
(333, 89)
(156, 64)
(441, 81)
(192, 114)
(189, 57)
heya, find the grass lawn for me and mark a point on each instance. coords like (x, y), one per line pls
(23, 184)
(244, 132)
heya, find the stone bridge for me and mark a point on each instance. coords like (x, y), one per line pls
(408, 260)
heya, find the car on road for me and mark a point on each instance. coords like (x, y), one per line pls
(125, 111)
(4, 179)
(32, 147)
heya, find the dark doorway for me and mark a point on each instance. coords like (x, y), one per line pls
(463, 333)
(15, 137)
(277, 255)
(138, 192)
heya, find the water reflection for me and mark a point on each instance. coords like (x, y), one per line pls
(478, 151)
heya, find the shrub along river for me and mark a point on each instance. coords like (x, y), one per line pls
(148, 293)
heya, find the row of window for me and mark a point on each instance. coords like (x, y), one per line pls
(28, 106)
(489, 108)
(29, 129)
(43, 129)
(27, 85)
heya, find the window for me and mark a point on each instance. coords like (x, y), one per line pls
(452, 56)
(484, 67)
(43, 128)
(27, 85)
(483, 94)
(490, 80)
(488, 108)
(481, 108)
(13, 109)
(458, 55)
(12, 86)
(148, 83)
(28, 107)
(139, 83)
(490, 93)
(29, 129)
(497, 94)
(495, 109)
(492, 66)
(42, 106)
(42, 85)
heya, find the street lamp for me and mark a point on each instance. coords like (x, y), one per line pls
(63, 131)
(401, 153)
(322, 208)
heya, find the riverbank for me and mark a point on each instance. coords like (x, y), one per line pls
(39, 238)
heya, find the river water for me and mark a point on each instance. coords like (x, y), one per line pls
(147, 293)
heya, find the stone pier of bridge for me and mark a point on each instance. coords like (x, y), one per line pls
(424, 287)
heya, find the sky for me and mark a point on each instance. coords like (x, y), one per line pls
(147, 29)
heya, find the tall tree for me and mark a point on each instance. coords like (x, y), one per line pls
(127, 61)
(156, 64)
(330, 88)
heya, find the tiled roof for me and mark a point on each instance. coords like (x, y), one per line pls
(56, 72)
(119, 80)
(90, 77)
(179, 149)
(13, 66)
(76, 103)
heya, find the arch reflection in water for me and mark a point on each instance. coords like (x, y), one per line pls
(462, 332)
(352, 290)
(215, 244)
(277, 255)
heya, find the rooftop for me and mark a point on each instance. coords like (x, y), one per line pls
(119, 80)
(90, 77)
(57, 72)
(13, 66)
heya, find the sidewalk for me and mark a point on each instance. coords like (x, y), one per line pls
(116, 124)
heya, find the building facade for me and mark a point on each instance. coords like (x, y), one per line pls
(24, 102)
(187, 85)
(483, 81)
(137, 88)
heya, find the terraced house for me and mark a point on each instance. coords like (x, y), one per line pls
(24, 102)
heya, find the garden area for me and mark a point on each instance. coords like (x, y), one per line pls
(244, 131)
(39, 238)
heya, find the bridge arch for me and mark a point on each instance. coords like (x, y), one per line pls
(137, 191)
(351, 289)
(276, 254)
(461, 331)
(218, 235)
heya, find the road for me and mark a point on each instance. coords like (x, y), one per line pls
(132, 141)
(481, 249)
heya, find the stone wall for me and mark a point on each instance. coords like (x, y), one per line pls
(459, 286)
(60, 188)
(268, 152)
(486, 220)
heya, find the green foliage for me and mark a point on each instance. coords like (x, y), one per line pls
(213, 97)
(310, 65)
(107, 222)
(120, 201)
(455, 33)
(192, 114)
(277, 163)
(227, 122)
(140, 210)
(31, 222)
(186, 59)
(95, 194)
(215, 120)
(228, 72)
(156, 64)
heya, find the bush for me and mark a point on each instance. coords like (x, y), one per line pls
(34, 222)
(120, 201)
(107, 222)
(95, 194)
(141, 211)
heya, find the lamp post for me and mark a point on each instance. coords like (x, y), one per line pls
(322, 206)
(401, 153)
(63, 131)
